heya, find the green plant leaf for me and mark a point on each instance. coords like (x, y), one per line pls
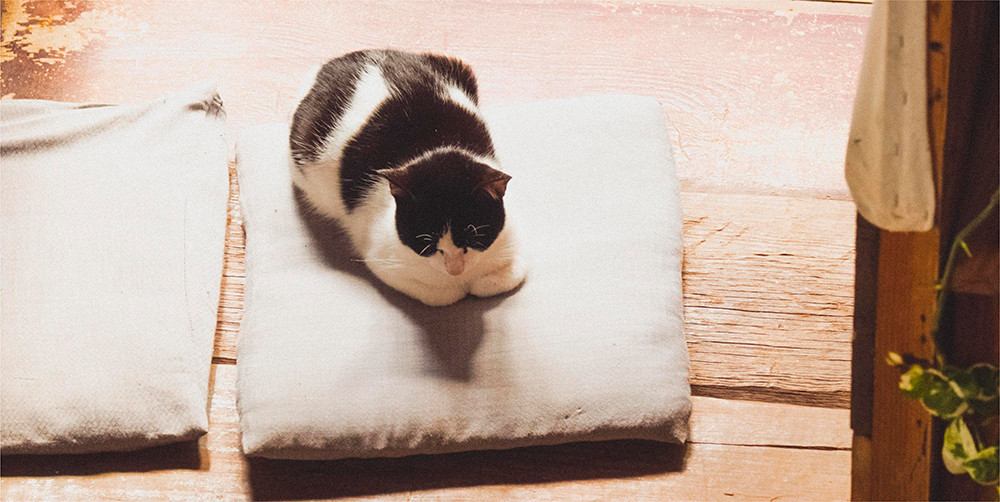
(941, 399)
(983, 467)
(963, 382)
(958, 447)
(916, 383)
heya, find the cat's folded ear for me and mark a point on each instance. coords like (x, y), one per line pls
(494, 183)
(399, 181)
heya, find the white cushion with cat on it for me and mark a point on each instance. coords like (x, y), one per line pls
(113, 222)
(332, 363)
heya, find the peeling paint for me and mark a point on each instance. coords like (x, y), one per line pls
(789, 15)
(51, 38)
(14, 15)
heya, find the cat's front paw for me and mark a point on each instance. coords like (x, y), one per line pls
(498, 282)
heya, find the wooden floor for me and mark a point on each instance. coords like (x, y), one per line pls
(758, 95)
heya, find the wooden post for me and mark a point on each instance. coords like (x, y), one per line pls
(863, 355)
(901, 428)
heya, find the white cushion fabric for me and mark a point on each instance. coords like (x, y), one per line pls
(334, 364)
(113, 222)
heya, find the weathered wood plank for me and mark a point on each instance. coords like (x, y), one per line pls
(768, 284)
(753, 451)
(759, 98)
(233, 277)
(767, 297)
(751, 423)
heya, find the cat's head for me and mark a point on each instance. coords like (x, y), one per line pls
(449, 207)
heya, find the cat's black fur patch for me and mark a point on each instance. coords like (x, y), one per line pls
(416, 119)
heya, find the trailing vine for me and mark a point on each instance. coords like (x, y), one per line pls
(966, 397)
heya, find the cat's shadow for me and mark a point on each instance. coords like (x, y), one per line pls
(452, 334)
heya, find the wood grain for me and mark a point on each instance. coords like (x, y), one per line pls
(970, 169)
(969, 174)
(807, 446)
(768, 285)
(758, 100)
(233, 277)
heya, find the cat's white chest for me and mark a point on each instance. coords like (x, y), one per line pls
(491, 272)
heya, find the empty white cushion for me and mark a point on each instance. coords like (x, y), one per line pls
(334, 364)
(113, 221)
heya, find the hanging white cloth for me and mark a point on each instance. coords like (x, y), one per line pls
(888, 154)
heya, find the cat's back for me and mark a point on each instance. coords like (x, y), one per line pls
(330, 94)
(377, 109)
(347, 92)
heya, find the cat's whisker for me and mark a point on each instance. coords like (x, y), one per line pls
(378, 260)
(387, 267)
(475, 230)
(499, 259)
(421, 253)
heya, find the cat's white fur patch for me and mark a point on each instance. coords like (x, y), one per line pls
(487, 273)
(371, 91)
(459, 96)
(321, 180)
(489, 161)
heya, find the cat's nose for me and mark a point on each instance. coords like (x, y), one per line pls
(454, 261)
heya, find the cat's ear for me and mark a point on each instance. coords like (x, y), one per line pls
(399, 181)
(494, 183)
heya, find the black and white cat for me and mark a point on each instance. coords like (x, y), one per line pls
(392, 146)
